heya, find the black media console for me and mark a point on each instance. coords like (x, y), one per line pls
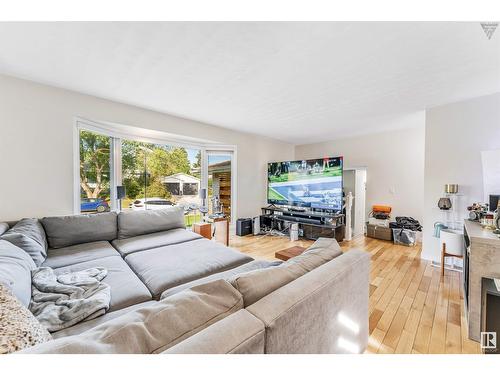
(312, 224)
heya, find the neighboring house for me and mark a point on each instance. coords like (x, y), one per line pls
(183, 187)
(181, 184)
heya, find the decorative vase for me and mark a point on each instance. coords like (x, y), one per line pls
(451, 188)
(444, 203)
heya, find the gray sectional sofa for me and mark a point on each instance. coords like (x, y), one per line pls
(173, 291)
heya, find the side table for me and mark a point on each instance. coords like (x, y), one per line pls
(289, 253)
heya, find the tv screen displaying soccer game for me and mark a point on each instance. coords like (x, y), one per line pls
(315, 183)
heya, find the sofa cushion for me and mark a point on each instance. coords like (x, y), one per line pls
(149, 241)
(126, 288)
(321, 251)
(154, 328)
(89, 324)
(29, 235)
(15, 271)
(164, 267)
(226, 275)
(239, 333)
(4, 227)
(19, 329)
(254, 285)
(70, 230)
(321, 311)
(84, 252)
(31, 247)
(135, 223)
(33, 229)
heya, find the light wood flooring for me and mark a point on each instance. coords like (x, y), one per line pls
(412, 308)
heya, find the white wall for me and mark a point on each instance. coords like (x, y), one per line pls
(36, 147)
(455, 135)
(394, 164)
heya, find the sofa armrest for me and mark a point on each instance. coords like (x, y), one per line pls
(324, 311)
(239, 333)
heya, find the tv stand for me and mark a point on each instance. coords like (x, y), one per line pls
(312, 224)
(272, 205)
(297, 209)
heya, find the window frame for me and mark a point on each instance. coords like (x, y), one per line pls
(116, 161)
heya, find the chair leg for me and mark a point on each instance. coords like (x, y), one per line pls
(443, 252)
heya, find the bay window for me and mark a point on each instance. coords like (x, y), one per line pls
(155, 173)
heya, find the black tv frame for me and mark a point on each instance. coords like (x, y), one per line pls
(274, 203)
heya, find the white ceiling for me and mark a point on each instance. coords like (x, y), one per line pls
(299, 82)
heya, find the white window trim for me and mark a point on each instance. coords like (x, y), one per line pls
(104, 129)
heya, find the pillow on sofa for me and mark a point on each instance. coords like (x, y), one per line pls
(254, 285)
(135, 223)
(33, 229)
(34, 250)
(70, 230)
(19, 327)
(4, 227)
(15, 271)
(29, 235)
(156, 327)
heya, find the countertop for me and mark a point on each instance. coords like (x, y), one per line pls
(476, 232)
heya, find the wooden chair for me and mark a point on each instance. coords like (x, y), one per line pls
(452, 245)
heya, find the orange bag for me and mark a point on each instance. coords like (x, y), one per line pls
(380, 208)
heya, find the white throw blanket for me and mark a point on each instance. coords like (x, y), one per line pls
(61, 301)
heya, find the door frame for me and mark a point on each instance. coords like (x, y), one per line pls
(222, 150)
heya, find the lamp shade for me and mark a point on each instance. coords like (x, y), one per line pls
(444, 203)
(451, 188)
(120, 192)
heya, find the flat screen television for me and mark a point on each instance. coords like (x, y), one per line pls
(314, 183)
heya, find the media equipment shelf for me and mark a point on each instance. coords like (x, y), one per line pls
(312, 224)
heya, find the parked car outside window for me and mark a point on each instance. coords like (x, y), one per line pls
(150, 204)
(94, 205)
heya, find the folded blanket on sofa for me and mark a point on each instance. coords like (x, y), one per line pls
(61, 301)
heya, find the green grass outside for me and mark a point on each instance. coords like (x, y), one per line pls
(295, 176)
(192, 218)
(126, 202)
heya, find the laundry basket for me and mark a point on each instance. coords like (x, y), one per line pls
(404, 237)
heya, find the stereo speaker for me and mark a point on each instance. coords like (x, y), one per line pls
(244, 227)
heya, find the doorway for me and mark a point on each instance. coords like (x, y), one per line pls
(220, 183)
(355, 183)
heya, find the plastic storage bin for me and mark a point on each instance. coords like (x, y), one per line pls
(404, 237)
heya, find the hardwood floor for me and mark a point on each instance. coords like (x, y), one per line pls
(412, 308)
